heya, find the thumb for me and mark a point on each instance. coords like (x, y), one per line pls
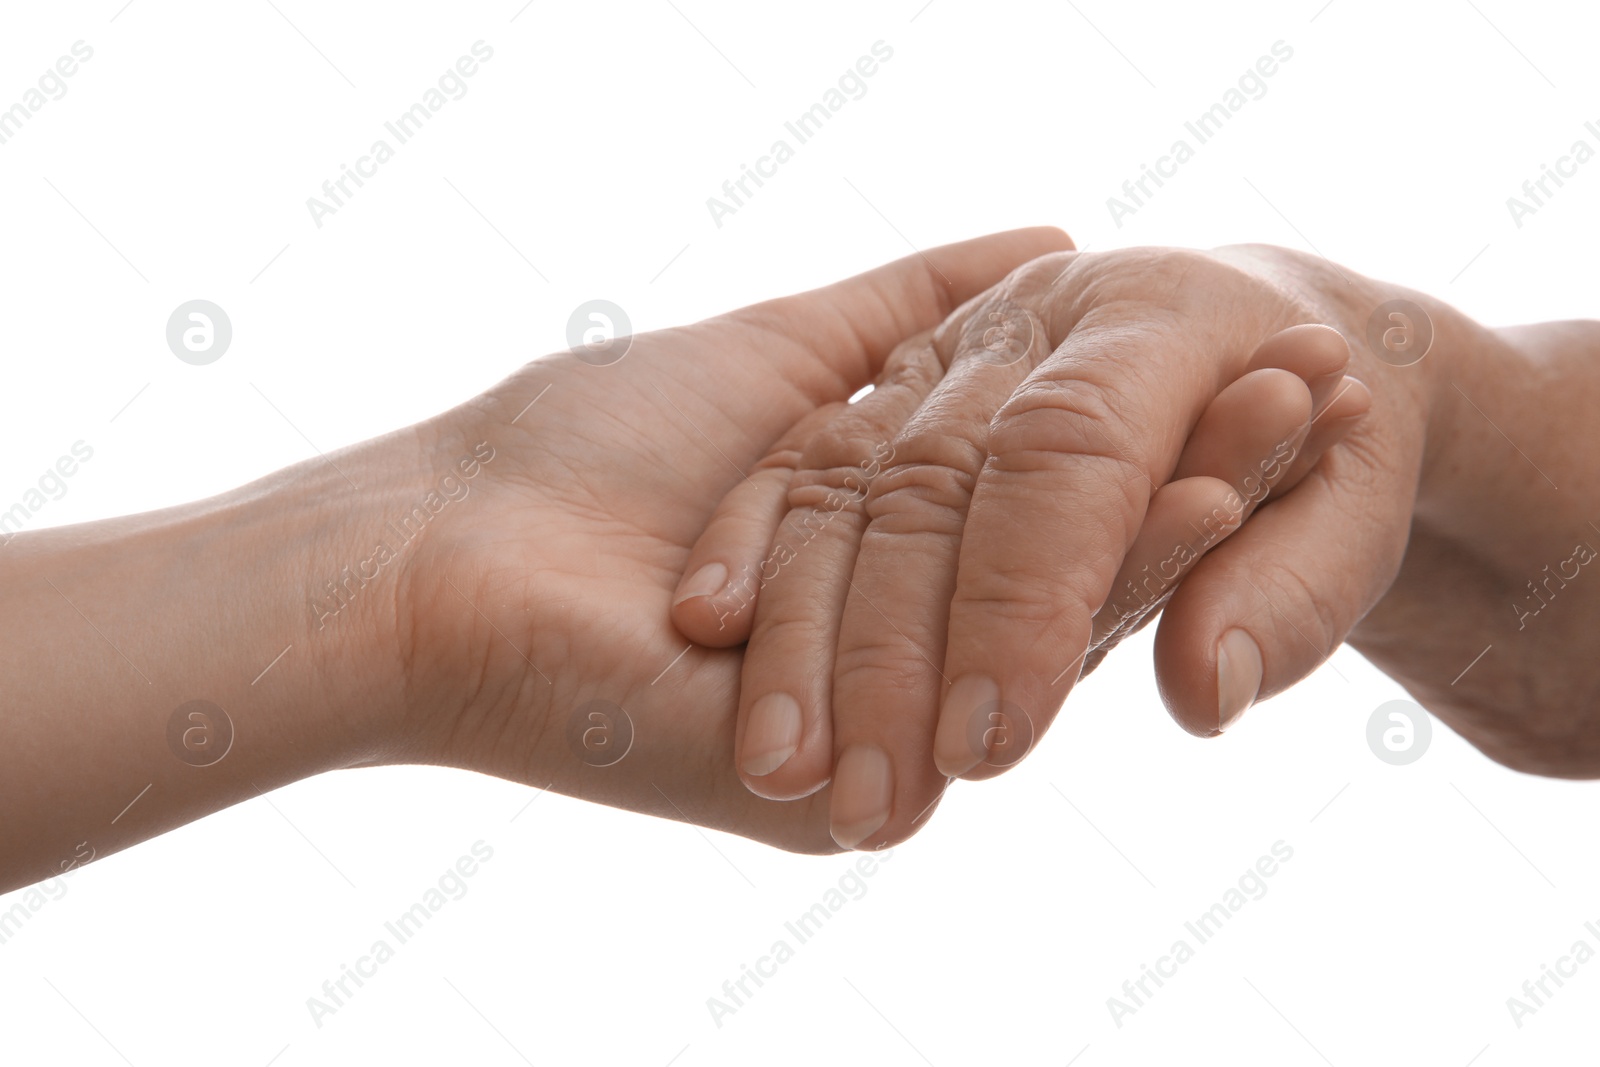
(1266, 607)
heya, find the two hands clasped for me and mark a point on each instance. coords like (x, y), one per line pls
(813, 614)
(918, 576)
(887, 594)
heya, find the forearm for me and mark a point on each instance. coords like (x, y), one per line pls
(113, 628)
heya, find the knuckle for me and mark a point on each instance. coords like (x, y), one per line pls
(929, 490)
(781, 458)
(1164, 286)
(837, 471)
(920, 498)
(914, 364)
(1037, 281)
(810, 525)
(820, 496)
(1013, 593)
(1003, 333)
(876, 666)
(1276, 257)
(847, 444)
(1051, 421)
(1141, 273)
(1008, 319)
(786, 631)
(1186, 265)
(947, 335)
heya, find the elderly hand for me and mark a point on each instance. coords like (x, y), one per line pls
(1063, 456)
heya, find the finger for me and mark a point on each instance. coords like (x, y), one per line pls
(1265, 608)
(784, 740)
(714, 604)
(1154, 568)
(1249, 432)
(716, 601)
(1247, 440)
(1254, 436)
(1181, 513)
(1237, 451)
(762, 368)
(1342, 414)
(851, 329)
(852, 326)
(887, 680)
(1316, 354)
(1074, 457)
(1186, 519)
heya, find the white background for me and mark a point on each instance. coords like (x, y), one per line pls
(1418, 898)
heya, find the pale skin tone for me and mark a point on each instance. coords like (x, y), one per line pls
(549, 585)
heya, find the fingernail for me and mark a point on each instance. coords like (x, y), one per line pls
(771, 734)
(1238, 676)
(959, 744)
(707, 581)
(862, 791)
(1347, 385)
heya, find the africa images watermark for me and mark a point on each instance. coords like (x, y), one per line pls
(1399, 732)
(1154, 582)
(1252, 885)
(52, 485)
(52, 85)
(1252, 85)
(451, 885)
(402, 128)
(1536, 192)
(744, 588)
(342, 590)
(851, 885)
(1536, 992)
(1542, 593)
(30, 901)
(805, 126)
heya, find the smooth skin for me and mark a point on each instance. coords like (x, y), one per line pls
(970, 588)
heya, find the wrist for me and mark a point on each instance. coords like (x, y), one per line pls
(1477, 419)
(305, 613)
(272, 615)
(283, 602)
(174, 654)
